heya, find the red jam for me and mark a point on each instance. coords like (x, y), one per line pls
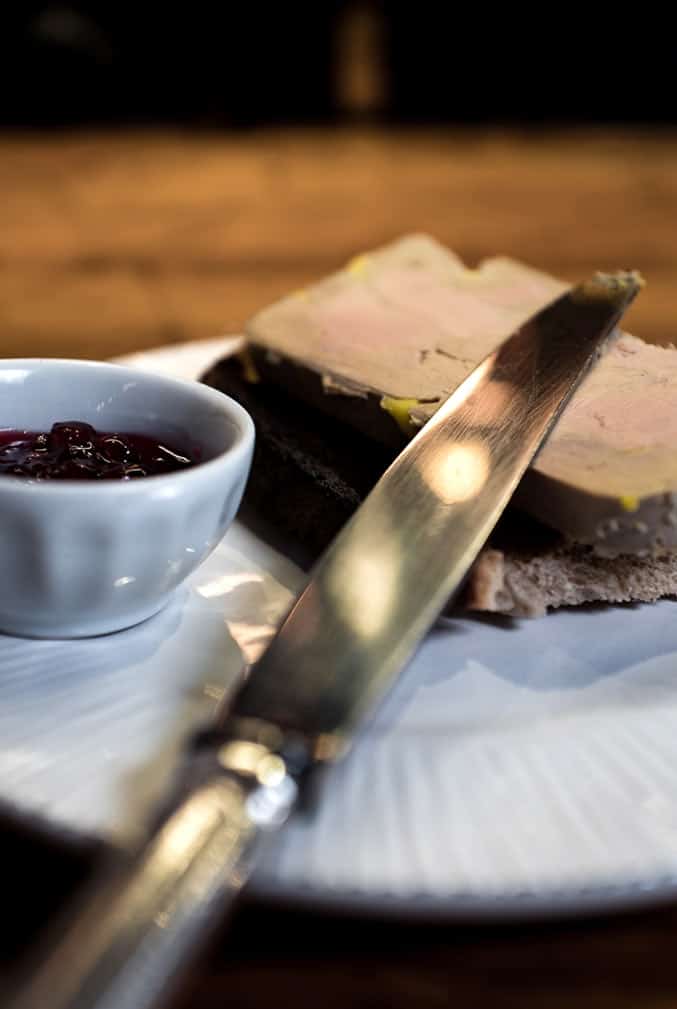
(73, 450)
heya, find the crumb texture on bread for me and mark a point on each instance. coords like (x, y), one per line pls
(529, 585)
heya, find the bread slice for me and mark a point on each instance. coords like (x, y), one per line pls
(340, 375)
(528, 584)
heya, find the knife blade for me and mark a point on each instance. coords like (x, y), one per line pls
(367, 605)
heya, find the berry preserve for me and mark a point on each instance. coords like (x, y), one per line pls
(73, 450)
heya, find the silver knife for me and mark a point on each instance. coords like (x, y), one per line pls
(368, 603)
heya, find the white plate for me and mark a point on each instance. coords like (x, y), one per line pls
(517, 769)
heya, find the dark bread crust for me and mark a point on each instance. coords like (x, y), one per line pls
(308, 476)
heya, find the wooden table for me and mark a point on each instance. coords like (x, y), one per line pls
(116, 242)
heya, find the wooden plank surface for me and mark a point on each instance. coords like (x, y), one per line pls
(114, 242)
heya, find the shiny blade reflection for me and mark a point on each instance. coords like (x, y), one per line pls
(407, 549)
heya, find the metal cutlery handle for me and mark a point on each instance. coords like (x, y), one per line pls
(142, 926)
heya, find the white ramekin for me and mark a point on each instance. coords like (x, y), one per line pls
(84, 557)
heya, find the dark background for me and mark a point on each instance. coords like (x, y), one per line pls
(250, 64)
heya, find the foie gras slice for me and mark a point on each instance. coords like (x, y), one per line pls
(380, 345)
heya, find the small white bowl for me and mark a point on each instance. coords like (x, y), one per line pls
(82, 557)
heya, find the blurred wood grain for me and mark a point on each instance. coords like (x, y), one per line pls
(120, 241)
(278, 958)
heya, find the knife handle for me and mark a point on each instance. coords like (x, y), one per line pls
(141, 928)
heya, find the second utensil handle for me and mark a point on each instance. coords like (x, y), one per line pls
(141, 928)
